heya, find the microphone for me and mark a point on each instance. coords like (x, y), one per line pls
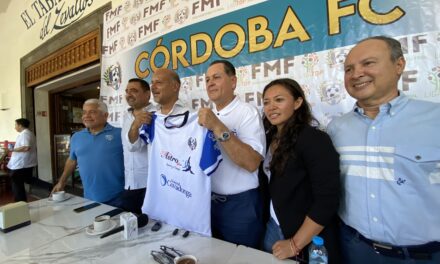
(142, 221)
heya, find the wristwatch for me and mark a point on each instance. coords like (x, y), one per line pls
(225, 136)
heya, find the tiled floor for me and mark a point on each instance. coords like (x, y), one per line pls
(6, 195)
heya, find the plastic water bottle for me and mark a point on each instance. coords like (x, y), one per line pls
(317, 251)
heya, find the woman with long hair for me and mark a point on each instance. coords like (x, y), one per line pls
(302, 168)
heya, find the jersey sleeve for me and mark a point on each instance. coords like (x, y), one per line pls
(146, 132)
(211, 155)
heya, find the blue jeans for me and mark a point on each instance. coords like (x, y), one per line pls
(238, 218)
(272, 235)
(356, 251)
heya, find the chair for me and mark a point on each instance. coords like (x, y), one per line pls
(5, 181)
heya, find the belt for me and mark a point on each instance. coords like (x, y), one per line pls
(222, 198)
(424, 251)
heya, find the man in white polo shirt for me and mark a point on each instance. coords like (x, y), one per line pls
(236, 208)
(23, 159)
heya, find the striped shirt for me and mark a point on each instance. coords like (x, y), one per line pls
(390, 169)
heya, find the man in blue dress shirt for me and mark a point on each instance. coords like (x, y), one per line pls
(390, 162)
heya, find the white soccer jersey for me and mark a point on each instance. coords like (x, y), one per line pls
(182, 156)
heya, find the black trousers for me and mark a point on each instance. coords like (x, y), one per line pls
(132, 200)
(18, 178)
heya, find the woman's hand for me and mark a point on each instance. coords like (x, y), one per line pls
(283, 249)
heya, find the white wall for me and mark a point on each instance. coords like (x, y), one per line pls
(42, 130)
(15, 42)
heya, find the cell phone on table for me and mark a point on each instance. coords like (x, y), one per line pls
(86, 207)
(156, 226)
(113, 212)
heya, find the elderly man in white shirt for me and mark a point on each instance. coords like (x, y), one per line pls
(23, 159)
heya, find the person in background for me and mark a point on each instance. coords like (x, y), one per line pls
(303, 171)
(390, 160)
(236, 208)
(97, 150)
(137, 95)
(23, 159)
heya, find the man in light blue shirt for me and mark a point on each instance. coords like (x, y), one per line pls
(97, 150)
(390, 162)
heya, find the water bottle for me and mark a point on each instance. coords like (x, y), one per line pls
(317, 251)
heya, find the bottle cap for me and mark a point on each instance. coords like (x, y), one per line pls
(317, 240)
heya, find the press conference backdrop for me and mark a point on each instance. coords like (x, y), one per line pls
(306, 40)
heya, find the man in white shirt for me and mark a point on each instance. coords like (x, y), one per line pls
(165, 86)
(137, 95)
(23, 159)
(236, 208)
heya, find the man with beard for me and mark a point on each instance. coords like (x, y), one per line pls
(137, 95)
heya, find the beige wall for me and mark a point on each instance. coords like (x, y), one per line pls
(17, 41)
(41, 128)
(19, 48)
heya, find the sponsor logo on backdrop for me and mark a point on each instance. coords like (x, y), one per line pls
(135, 18)
(127, 5)
(137, 3)
(336, 58)
(125, 23)
(174, 3)
(181, 15)
(331, 93)
(166, 21)
(187, 84)
(122, 42)
(434, 77)
(309, 61)
(243, 76)
(132, 38)
(306, 89)
(113, 76)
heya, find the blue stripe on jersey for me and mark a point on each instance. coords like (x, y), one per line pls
(211, 155)
(146, 132)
